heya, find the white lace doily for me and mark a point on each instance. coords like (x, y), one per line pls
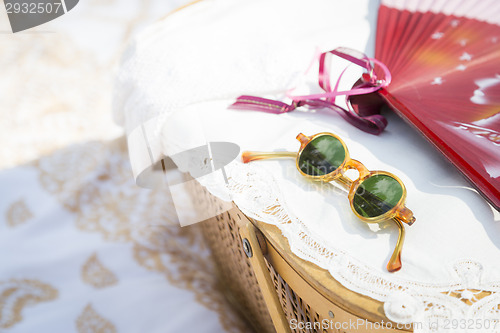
(172, 93)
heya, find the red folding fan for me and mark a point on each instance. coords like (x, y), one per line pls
(444, 57)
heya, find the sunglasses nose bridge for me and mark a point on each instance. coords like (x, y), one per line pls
(357, 165)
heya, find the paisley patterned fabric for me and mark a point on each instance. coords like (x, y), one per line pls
(82, 248)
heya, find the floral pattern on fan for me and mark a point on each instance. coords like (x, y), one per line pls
(444, 57)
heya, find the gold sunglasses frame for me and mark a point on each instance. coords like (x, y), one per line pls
(399, 213)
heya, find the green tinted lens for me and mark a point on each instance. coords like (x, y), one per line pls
(377, 195)
(322, 156)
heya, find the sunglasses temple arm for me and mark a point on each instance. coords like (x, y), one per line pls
(394, 263)
(344, 181)
(249, 156)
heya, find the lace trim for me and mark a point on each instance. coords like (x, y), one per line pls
(468, 298)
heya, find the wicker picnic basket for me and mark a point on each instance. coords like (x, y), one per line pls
(276, 290)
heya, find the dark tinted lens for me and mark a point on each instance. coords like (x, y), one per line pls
(322, 156)
(376, 195)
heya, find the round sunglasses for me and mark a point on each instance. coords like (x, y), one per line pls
(375, 196)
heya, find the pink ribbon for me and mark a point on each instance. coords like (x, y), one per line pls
(373, 123)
